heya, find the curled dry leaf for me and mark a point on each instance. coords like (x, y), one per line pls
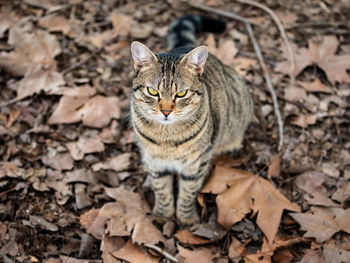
(186, 237)
(134, 253)
(30, 50)
(323, 54)
(85, 145)
(118, 163)
(196, 255)
(146, 233)
(323, 222)
(61, 161)
(240, 192)
(55, 23)
(38, 79)
(226, 51)
(311, 182)
(275, 166)
(94, 112)
(316, 86)
(304, 121)
(121, 23)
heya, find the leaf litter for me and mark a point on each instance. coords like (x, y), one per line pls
(65, 142)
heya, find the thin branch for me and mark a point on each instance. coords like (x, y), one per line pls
(268, 83)
(7, 103)
(223, 13)
(161, 251)
(282, 31)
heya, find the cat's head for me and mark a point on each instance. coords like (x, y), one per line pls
(167, 89)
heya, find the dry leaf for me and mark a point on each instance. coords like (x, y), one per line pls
(121, 23)
(8, 18)
(37, 79)
(311, 182)
(61, 161)
(118, 163)
(135, 254)
(202, 255)
(146, 233)
(94, 112)
(295, 93)
(97, 228)
(316, 86)
(323, 54)
(117, 225)
(275, 166)
(313, 256)
(186, 237)
(240, 192)
(304, 121)
(342, 193)
(30, 50)
(55, 23)
(85, 145)
(226, 50)
(323, 222)
(336, 255)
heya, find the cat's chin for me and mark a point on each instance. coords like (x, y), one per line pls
(166, 121)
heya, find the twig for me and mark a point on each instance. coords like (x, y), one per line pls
(7, 103)
(161, 251)
(282, 31)
(268, 83)
(223, 13)
(83, 61)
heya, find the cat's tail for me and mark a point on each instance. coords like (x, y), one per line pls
(183, 31)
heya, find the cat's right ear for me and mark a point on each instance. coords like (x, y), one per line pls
(142, 56)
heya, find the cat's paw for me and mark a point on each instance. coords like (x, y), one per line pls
(189, 221)
(169, 212)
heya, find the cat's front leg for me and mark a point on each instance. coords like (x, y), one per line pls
(162, 184)
(191, 181)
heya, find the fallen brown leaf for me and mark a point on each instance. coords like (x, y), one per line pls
(121, 23)
(30, 50)
(118, 163)
(61, 161)
(135, 254)
(55, 23)
(94, 112)
(323, 222)
(304, 121)
(186, 237)
(275, 166)
(239, 192)
(146, 233)
(316, 86)
(311, 182)
(226, 50)
(196, 255)
(85, 145)
(323, 54)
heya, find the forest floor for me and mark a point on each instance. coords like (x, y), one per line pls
(72, 187)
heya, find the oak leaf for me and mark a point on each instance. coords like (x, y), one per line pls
(186, 237)
(94, 112)
(323, 222)
(226, 50)
(202, 255)
(30, 50)
(134, 253)
(240, 192)
(321, 53)
(316, 86)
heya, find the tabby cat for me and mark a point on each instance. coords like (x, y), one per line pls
(185, 106)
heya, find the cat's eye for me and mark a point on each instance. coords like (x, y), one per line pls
(181, 93)
(152, 92)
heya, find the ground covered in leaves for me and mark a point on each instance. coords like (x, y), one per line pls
(72, 187)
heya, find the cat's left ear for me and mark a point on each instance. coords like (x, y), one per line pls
(195, 59)
(143, 57)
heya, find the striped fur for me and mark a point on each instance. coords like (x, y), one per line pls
(210, 119)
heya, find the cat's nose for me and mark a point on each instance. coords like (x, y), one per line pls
(166, 112)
